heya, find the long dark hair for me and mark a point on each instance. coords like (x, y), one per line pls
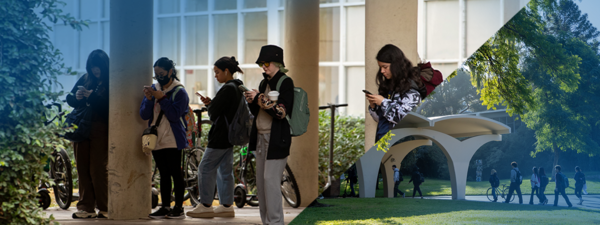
(402, 71)
(166, 64)
(228, 63)
(542, 172)
(535, 171)
(97, 58)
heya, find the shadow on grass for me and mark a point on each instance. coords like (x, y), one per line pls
(394, 211)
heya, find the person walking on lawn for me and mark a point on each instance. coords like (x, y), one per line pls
(515, 183)
(397, 179)
(560, 187)
(495, 182)
(417, 179)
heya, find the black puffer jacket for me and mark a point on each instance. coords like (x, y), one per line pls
(281, 139)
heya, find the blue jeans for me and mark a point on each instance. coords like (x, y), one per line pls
(216, 166)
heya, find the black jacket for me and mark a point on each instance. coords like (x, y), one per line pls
(281, 139)
(415, 178)
(560, 181)
(98, 99)
(494, 181)
(579, 179)
(224, 105)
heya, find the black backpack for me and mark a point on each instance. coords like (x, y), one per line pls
(241, 125)
(421, 177)
(543, 180)
(519, 177)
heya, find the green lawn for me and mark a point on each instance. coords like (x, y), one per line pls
(435, 187)
(428, 211)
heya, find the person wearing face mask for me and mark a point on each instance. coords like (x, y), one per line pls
(270, 137)
(91, 155)
(400, 89)
(159, 104)
(217, 162)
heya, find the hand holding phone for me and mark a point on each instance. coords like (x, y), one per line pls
(243, 88)
(367, 92)
(200, 95)
(82, 88)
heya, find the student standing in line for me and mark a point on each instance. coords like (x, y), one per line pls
(159, 106)
(515, 183)
(271, 137)
(579, 182)
(217, 162)
(560, 187)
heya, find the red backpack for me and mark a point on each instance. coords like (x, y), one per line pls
(430, 77)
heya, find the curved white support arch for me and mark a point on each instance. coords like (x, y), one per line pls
(398, 152)
(458, 154)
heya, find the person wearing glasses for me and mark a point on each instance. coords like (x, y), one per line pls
(159, 106)
(270, 137)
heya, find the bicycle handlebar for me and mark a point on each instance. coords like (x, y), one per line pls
(329, 105)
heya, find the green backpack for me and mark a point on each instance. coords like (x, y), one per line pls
(300, 114)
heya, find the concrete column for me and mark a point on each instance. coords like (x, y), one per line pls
(301, 56)
(387, 22)
(129, 169)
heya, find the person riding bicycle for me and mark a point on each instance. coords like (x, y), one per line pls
(217, 162)
(91, 155)
(495, 182)
(159, 104)
(270, 137)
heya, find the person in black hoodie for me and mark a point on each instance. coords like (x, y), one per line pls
(270, 137)
(217, 162)
(91, 156)
(416, 180)
(579, 182)
(560, 187)
(495, 182)
(543, 183)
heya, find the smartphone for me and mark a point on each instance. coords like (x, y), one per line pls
(367, 92)
(81, 88)
(198, 93)
(243, 88)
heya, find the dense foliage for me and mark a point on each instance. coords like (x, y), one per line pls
(29, 66)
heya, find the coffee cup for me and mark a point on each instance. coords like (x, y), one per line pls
(273, 95)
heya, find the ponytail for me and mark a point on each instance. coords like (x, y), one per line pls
(229, 63)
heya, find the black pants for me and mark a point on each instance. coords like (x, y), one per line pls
(514, 187)
(578, 189)
(562, 192)
(537, 193)
(352, 183)
(541, 194)
(397, 189)
(168, 162)
(417, 187)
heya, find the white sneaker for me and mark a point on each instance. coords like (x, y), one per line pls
(84, 215)
(222, 211)
(201, 211)
(102, 215)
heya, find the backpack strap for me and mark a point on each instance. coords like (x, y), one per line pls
(283, 77)
(179, 87)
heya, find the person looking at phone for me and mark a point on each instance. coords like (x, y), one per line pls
(270, 137)
(91, 156)
(159, 104)
(217, 162)
(400, 89)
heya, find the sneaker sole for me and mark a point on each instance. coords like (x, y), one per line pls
(175, 217)
(88, 217)
(200, 215)
(225, 214)
(157, 217)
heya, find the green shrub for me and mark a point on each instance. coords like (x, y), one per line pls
(29, 66)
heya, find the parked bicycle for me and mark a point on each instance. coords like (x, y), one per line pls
(59, 170)
(501, 192)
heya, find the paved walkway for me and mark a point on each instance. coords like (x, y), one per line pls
(246, 215)
(589, 201)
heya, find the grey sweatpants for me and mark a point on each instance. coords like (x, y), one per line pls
(268, 182)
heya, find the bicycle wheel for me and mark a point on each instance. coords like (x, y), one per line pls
(239, 197)
(489, 194)
(44, 199)
(63, 182)
(505, 195)
(191, 174)
(289, 188)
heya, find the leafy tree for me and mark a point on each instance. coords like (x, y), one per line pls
(29, 66)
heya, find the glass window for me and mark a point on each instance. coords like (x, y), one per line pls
(68, 7)
(328, 85)
(355, 82)
(64, 37)
(196, 5)
(352, 1)
(168, 6)
(355, 34)
(329, 34)
(482, 23)
(88, 42)
(225, 35)
(196, 40)
(281, 3)
(168, 38)
(445, 68)
(282, 28)
(105, 9)
(329, 1)
(255, 4)
(225, 4)
(255, 35)
(252, 77)
(106, 37)
(443, 25)
(195, 80)
(88, 9)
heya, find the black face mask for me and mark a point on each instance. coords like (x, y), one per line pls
(164, 80)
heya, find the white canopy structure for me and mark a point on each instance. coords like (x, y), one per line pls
(444, 131)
